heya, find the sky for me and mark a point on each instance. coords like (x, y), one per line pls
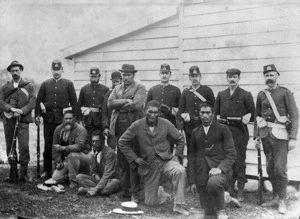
(34, 31)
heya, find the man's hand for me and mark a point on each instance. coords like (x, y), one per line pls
(257, 143)
(97, 177)
(292, 144)
(194, 189)
(37, 120)
(92, 192)
(214, 171)
(141, 162)
(106, 132)
(174, 111)
(15, 110)
(246, 118)
(58, 147)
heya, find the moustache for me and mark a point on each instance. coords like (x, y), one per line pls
(67, 124)
(16, 76)
(270, 81)
(232, 82)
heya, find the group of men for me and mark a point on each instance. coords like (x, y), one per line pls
(142, 129)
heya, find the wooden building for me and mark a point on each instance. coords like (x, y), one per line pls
(213, 34)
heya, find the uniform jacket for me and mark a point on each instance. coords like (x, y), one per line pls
(91, 96)
(216, 149)
(151, 143)
(238, 104)
(168, 95)
(24, 98)
(106, 112)
(189, 103)
(286, 106)
(55, 95)
(77, 139)
(106, 168)
(117, 102)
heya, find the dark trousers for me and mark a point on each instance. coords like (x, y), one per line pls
(48, 138)
(23, 141)
(212, 194)
(239, 167)
(276, 152)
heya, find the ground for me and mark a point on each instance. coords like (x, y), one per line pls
(26, 200)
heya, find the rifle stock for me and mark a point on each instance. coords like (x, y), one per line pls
(13, 157)
(38, 152)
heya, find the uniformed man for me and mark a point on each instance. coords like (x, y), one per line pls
(90, 101)
(235, 107)
(126, 101)
(167, 95)
(54, 95)
(190, 100)
(116, 79)
(17, 100)
(276, 124)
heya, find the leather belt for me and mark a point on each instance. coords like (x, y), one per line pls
(276, 125)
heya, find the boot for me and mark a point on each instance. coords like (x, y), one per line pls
(272, 203)
(240, 196)
(23, 175)
(179, 209)
(82, 191)
(282, 207)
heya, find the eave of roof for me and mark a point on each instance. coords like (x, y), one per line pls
(123, 30)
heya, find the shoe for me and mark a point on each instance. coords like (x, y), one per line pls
(45, 175)
(135, 198)
(23, 177)
(179, 209)
(221, 214)
(281, 207)
(82, 191)
(272, 203)
(240, 196)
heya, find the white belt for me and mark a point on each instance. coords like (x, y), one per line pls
(276, 125)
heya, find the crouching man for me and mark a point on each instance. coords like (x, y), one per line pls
(103, 180)
(71, 153)
(152, 133)
(212, 155)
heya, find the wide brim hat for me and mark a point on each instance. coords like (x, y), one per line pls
(129, 208)
(127, 68)
(14, 64)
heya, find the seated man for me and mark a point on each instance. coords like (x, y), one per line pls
(104, 180)
(152, 133)
(211, 159)
(71, 153)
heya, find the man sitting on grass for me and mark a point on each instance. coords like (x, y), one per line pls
(104, 180)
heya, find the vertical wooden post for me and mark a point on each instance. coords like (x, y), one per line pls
(180, 42)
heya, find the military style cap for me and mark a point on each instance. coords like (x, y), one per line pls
(194, 70)
(127, 68)
(165, 68)
(115, 75)
(268, 68)
(233, 71)
(56, 65)
(14, 64)
(94, 71)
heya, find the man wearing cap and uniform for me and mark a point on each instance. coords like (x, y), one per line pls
(17, 100)
(235, 107)
(276, 125)
(90, 101)
(116, 79)
(54, 95)
(190, 100)
(167, 95)
(126, 101)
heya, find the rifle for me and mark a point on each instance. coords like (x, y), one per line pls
(12, 157)
(38, 152)
(259, 170)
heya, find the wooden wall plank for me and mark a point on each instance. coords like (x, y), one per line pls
(154, 32)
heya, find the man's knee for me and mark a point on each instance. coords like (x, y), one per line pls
(180, 171)
(80, 177)
(215, 184)
(72, 156)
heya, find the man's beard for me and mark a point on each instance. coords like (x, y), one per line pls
(16, 77)
(68, 125)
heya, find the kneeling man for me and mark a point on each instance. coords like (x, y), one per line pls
(71, 151)
(152, 133)
(103, 180)
(212, 155)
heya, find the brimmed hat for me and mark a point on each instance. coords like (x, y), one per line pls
(268, 68)
(128, 208)
(13, 64)
(194, 70)
(115, 75)
(94, 71)
(56, 65)
(127, 68)
(233, 71)
(165, 68)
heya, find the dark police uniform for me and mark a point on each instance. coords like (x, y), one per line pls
(275, 149)
(238, 104)
(55, 95)
(92, 97)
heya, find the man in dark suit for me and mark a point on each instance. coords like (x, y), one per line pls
(54, 95)
(212, 155)
(235, 107)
